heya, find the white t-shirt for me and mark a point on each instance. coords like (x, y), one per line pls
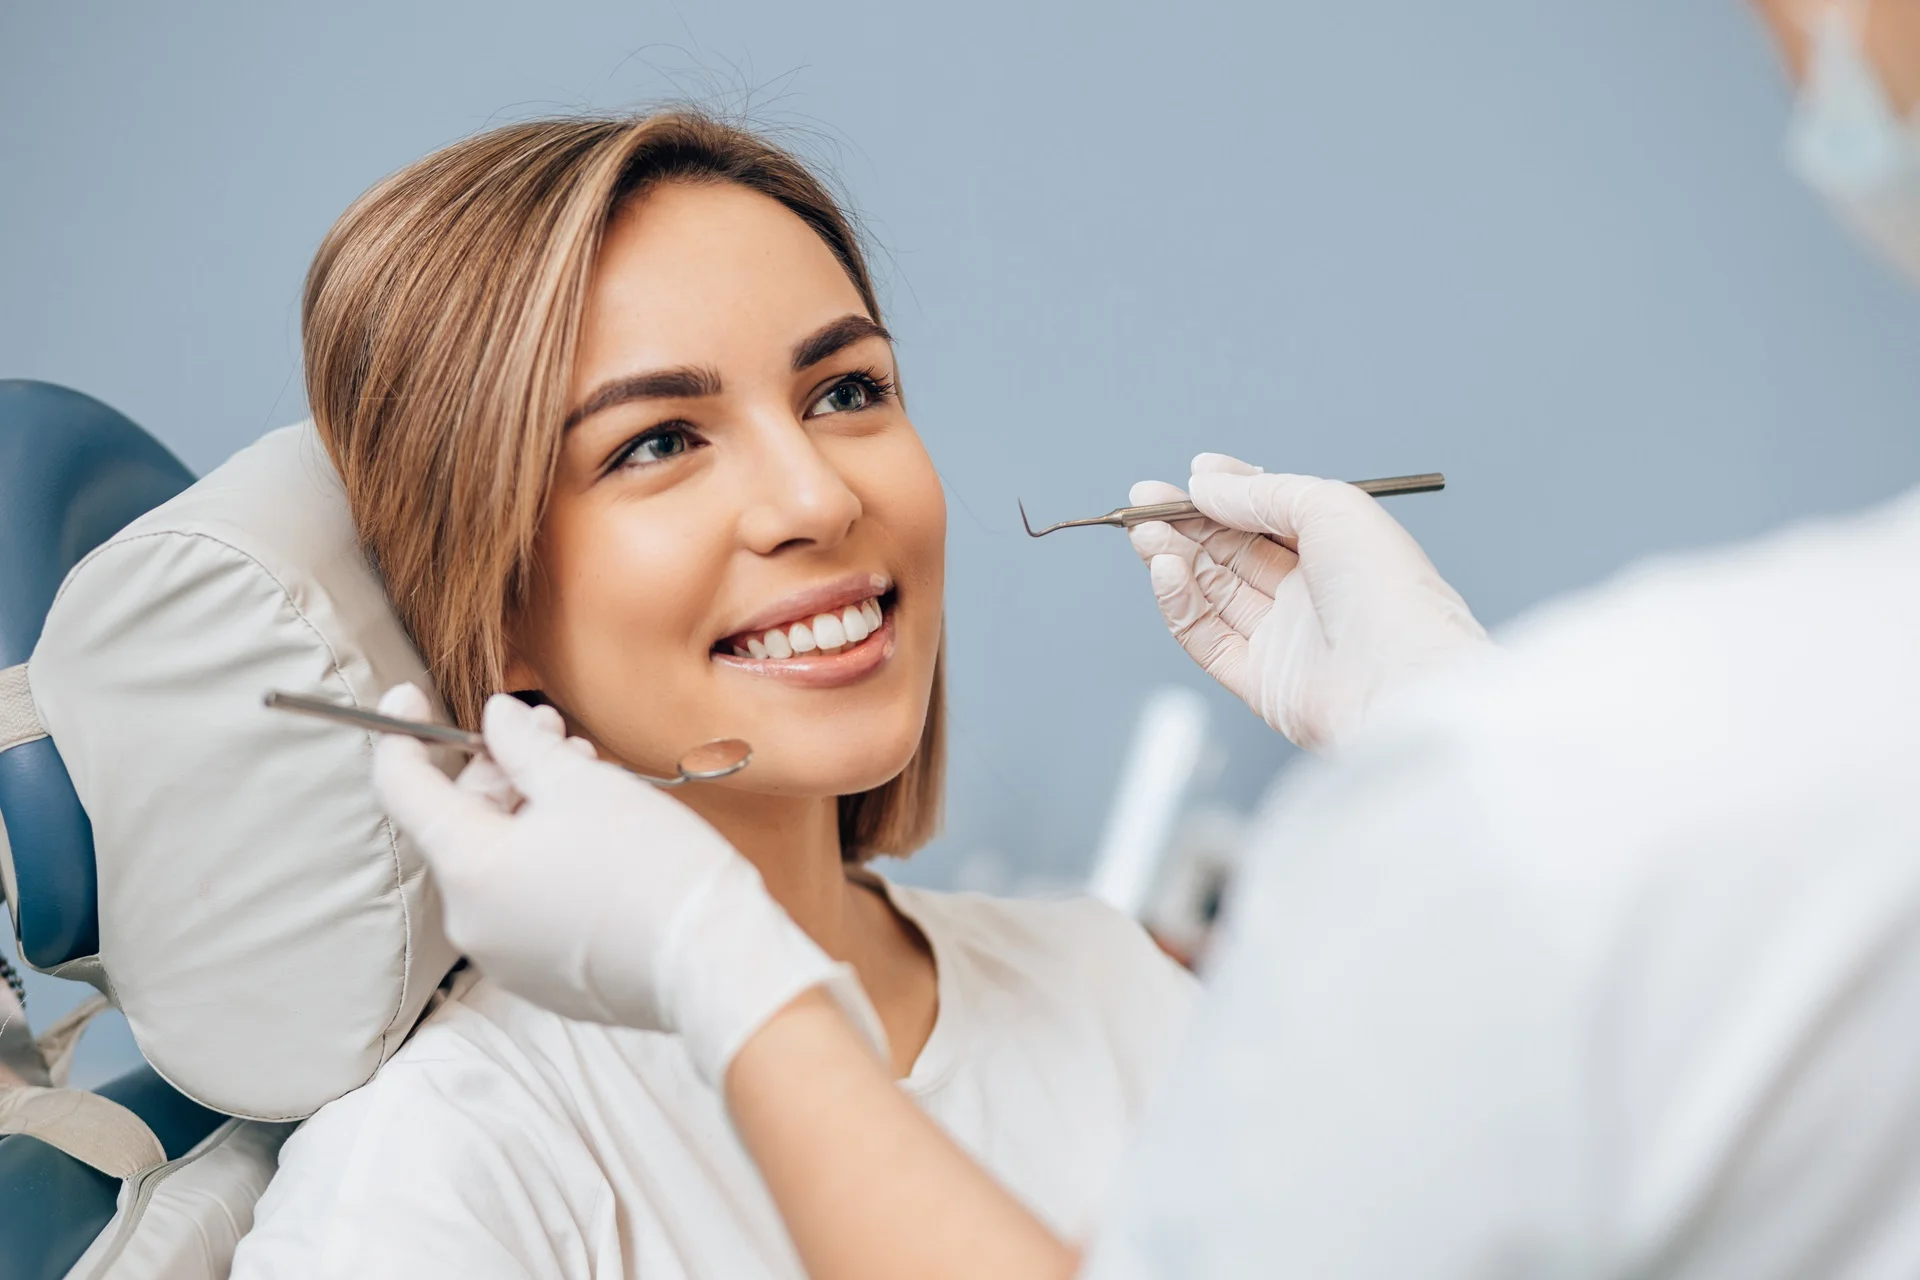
(1599, 960)
(503, 1140)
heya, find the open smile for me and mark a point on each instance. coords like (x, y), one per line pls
(829, 636)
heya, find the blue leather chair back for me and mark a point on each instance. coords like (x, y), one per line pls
(72, 474)
(52, 1206)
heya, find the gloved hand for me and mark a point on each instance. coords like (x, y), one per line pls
(1301, 596)
(578, 886)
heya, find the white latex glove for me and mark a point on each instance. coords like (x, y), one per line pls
(578, 886)
(1302, 596)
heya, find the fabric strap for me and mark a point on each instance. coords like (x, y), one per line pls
(94, 1130)
(19, 721)
(57, 1042)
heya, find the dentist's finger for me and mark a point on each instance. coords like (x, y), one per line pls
(1144, 492)
(406, 701)
(1197, 625)
(1255, 557)
(535, 758)
(1294, 508)
(412, 789)
(1150, 539)
(448, 825)
(1222, 464)
(1259, 559)
(1240, 603)
(1158, 538)
(546, 718)
(483, 778)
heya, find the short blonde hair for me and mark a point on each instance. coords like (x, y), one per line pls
(439, 326)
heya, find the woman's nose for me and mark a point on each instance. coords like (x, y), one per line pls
(797, 497)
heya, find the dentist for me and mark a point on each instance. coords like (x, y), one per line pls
(1594, 956)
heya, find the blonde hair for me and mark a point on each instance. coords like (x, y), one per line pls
(439, 325)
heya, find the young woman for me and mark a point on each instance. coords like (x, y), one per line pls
(622, 428)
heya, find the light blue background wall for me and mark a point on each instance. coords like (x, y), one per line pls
(1545, 245)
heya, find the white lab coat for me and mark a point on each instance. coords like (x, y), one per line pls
(1601, 959)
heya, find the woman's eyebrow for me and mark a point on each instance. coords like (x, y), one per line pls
(834, 336)
(685, 382)
(693, 381)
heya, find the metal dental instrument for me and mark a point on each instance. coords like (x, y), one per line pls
(710, 760)
(1127, 517)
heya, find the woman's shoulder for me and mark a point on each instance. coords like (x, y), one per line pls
(1076, 945)
(1057, 927)
(1057, 1017)
(458, 1119)
(479, 1044)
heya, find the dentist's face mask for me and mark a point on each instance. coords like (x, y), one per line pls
(1847, 141)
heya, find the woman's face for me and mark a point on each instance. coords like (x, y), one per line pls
(745, 537)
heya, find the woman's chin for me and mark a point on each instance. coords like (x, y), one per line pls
(801, 773)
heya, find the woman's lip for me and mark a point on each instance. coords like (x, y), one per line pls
(808, 604)
(822, 670)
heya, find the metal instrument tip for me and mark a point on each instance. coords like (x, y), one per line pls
(1024, 522)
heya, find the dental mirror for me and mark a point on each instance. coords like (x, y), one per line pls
(707, 762)
(710, 760)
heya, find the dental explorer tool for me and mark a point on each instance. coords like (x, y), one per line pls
(1127, 517)
(720, 758)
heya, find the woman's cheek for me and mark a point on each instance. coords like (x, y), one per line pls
(626, 603)
(913, 504)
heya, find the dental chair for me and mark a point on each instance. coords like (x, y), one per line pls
(219, 872)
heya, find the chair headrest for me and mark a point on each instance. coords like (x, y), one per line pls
(72, 472)
(268, 933)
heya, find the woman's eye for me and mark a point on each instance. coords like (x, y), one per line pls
(656, 445)
(844, 397)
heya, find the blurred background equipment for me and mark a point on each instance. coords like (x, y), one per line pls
(1195, 882)
(1170, 850)
(1168, 743)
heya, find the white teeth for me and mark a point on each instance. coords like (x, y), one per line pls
(827, 631)
(823, 633)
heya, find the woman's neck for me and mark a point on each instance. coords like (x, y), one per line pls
(794, 842)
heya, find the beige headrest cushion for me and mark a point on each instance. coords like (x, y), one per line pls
(269, 934)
